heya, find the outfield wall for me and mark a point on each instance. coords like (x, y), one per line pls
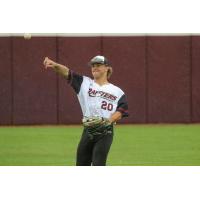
(159, 74)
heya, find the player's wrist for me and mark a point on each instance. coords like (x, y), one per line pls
(56, 66)
(107, 121)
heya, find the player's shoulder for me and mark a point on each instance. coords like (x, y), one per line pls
(116, 89)
(86, 78)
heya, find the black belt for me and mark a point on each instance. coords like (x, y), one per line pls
(99, 130)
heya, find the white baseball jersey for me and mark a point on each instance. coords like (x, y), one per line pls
(97, 100)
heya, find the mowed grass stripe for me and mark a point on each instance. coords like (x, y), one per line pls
(143, 145)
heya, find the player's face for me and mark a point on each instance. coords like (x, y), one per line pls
(99, 71)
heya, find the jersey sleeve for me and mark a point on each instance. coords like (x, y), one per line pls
(75, 80)
(122, 106)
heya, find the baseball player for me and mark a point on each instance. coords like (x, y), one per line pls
(102, 105)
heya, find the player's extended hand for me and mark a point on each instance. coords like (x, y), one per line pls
(49, 63)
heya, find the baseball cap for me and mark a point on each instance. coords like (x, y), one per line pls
(99, 60)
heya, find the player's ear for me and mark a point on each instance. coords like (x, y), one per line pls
(109, 72)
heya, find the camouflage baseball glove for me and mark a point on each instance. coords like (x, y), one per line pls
(95, 121)
(96, 125)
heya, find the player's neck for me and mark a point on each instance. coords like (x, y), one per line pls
(101, 81)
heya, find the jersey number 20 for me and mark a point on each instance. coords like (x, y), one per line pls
(107, 106)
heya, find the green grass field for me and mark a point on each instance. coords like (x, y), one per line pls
(143, 145)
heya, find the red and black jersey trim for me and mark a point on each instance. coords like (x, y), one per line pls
(75, 80)
(122, 106)
(124, 112)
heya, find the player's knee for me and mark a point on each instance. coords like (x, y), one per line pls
(99, 159)
(99, 162)
(83, 162)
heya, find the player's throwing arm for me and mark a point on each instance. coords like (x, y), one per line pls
(61, 69)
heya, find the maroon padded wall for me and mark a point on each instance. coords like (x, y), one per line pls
(168, 79)
(127, 56)
(74, 52)
(196, 79)
(5, 81)
(159, 74)
(35, 90)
